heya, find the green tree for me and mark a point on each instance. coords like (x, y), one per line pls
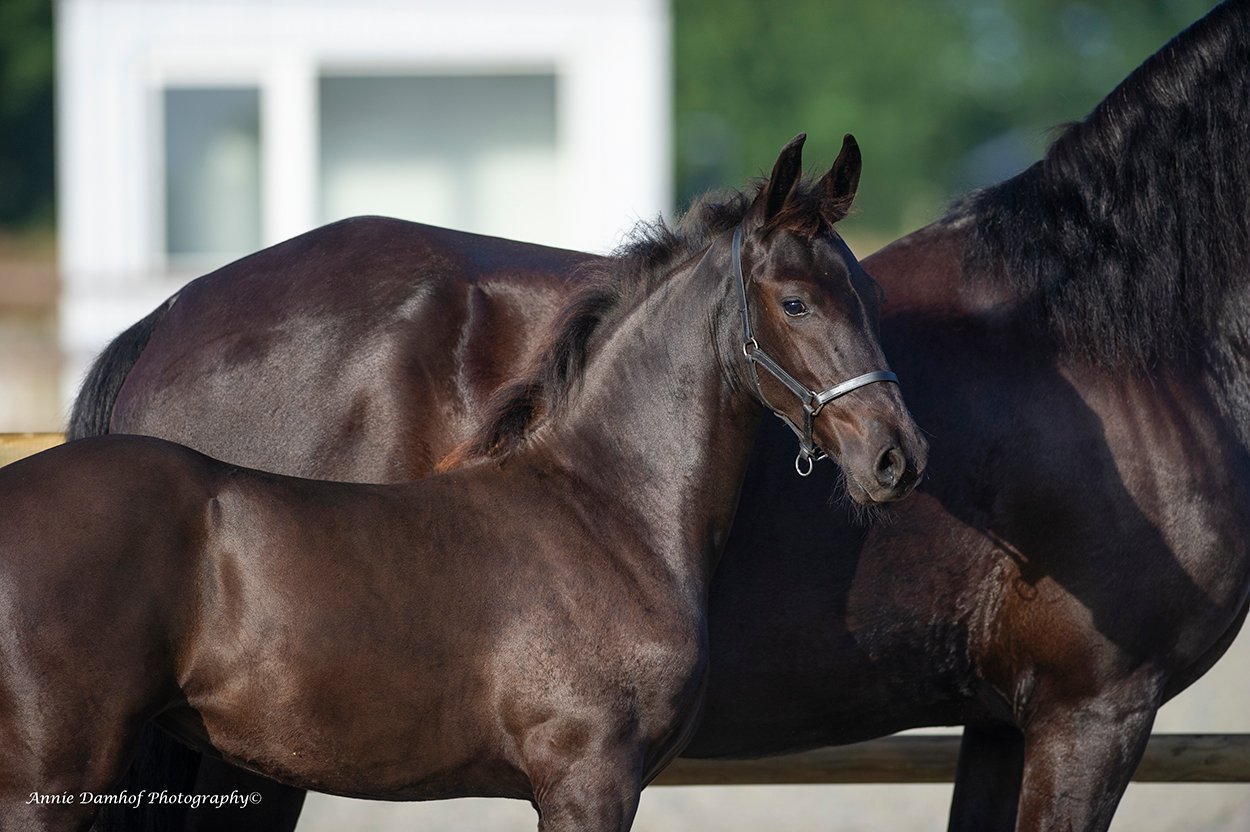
(943, 95)
(26, 136)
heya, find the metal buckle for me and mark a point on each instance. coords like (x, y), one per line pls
(798, 464)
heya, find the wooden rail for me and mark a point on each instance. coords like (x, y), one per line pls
(1169, 758)
(14, 446)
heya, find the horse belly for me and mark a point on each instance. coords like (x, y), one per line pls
(352, 736)
(324, 674)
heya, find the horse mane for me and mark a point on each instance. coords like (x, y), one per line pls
(1124, 241)
(610, 289)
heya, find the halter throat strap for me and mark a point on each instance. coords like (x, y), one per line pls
(812, 401)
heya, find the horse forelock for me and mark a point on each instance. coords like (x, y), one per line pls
(1124, 241)
(610, 289)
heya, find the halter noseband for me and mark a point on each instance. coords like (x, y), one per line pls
(812, 401)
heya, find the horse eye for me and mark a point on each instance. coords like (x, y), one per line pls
(794, 307)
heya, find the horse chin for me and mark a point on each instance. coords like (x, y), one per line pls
(883, 471)
(876, 495)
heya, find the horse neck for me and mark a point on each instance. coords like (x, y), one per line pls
(661, 425)
(925, 278)
(1226, 364)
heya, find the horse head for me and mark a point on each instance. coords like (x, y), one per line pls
(809, 317)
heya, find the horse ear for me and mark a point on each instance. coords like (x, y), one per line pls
(838, 186)
(782, 184)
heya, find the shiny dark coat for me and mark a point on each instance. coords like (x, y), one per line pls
(1074, 343)
(532, 625)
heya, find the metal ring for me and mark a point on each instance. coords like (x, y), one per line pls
(798, 464)
(749, 344)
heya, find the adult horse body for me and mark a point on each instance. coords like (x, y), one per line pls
(531, 629)
(1073, 342)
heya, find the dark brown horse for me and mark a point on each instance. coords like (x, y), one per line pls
(531, 625)
(1073, 340)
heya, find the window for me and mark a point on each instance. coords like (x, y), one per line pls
(470, 152)
(212, 172)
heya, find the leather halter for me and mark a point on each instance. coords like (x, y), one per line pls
(812, 401)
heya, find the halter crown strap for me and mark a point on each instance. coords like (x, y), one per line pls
(812, 401)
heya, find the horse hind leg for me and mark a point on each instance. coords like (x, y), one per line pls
(70, 720)
(51, 769)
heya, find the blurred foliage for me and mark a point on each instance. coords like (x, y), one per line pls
(26, 143)
(943, 95)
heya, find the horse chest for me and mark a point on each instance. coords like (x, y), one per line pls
(1121, 538)
(1188, 476)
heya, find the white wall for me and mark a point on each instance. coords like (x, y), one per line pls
(610, 60)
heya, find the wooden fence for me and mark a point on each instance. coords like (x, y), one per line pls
(14, 446)
(1169, 758)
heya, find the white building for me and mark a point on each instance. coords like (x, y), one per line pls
(195, 131)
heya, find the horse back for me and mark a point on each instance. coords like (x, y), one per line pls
(312, 356)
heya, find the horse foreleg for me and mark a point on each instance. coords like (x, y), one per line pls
(1078, 762)
(987, 779)
(583, 781)
(589, 795)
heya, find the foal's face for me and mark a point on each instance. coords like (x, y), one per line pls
(816, 313)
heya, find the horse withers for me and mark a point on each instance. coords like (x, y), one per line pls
(531, 625)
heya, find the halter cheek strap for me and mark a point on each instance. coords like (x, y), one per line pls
(811, 400)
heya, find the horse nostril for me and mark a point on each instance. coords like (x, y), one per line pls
(890, 467)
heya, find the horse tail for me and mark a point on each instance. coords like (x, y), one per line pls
(93, 406)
